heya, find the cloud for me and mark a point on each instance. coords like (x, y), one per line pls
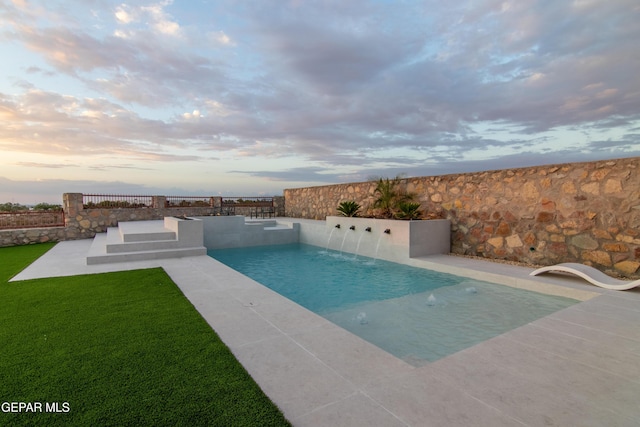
(50, 123)
(124, 14)
(221, 38)
(44, 165)
(135, 63)
(333, 85)
(106, 167)
(301, 174)
(154, 15)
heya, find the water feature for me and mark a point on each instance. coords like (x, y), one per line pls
(358, 245)
(416, 314)
(330, 235)
(344, 238)
(375, 256)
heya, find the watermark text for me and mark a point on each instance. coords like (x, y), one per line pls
(32, 407)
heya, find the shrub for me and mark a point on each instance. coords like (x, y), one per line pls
(408, 210)
(12, 207)
(385, 189)
(349, 208)
(47, 207)
(390, 197)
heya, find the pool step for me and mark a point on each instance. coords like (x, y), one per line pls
(144, 231)
(147, 240)
(116, 241)
(265, 223)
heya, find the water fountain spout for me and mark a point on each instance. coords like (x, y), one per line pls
(353, 227)
(368, 229)
(329, 240)
(387, 231)
(337, 225)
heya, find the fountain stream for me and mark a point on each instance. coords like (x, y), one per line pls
(343, 240)
(329, 240)
(375, 257)
(358, 246)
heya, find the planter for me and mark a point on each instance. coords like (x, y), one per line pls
(403, 239)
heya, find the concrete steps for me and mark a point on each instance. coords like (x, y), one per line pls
(265, 223)
(147, 240)
(117, 242)
(221, 232)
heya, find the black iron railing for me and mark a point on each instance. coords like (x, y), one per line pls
(219, 205)
(189, 201)
(111, 201)
(31, 219)
(247, 201)
(254, 206)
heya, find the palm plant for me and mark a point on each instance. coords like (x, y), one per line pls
(386, 191)
(408, 210)
(349, 208)
(389, 196)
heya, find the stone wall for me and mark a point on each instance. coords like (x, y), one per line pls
(582, 212)
(26, 236)
(81, 223)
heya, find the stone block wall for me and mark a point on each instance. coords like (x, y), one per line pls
(582, 212)
(81, 223)
(26, 236)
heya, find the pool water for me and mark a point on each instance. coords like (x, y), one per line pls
(415, 314)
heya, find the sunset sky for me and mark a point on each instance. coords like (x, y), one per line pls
(250, 97)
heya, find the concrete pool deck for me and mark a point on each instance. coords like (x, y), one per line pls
(578, 366)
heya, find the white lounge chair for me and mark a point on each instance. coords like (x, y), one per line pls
(589, 274)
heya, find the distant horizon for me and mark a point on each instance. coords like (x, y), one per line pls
(140, 190)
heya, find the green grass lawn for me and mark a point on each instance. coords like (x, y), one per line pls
(123, 348)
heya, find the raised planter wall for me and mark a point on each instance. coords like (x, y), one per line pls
(406, 239)
(582, 212)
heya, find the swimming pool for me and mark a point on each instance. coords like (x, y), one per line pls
(415, 314)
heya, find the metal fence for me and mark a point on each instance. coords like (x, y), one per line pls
(31, 219)
(110, 201)
(252, 206)
(247, 201)
(189, 201)
(219, 205)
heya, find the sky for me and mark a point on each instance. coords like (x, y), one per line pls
(247, 98)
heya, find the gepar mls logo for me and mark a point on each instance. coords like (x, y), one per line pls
(30, 407)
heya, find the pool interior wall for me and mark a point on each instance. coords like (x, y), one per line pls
(239, 231)
(392, 240)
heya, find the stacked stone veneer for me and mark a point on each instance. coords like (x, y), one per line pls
(583, 212)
